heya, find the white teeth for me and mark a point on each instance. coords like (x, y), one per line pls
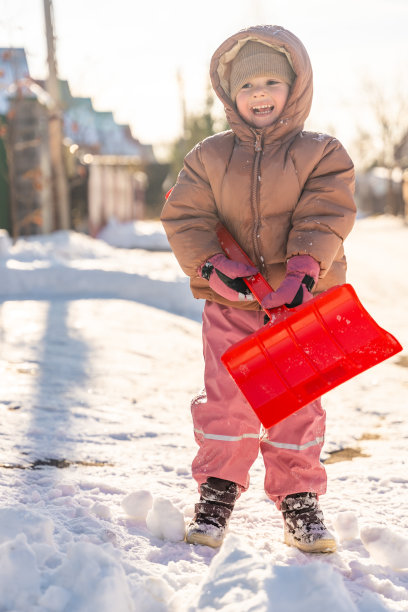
(264, 108)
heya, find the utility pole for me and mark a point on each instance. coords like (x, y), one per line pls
(182, 98)
(59, 176)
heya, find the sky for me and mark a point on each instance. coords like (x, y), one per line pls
(125, 54)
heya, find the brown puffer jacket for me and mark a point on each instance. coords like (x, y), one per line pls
(280, 191)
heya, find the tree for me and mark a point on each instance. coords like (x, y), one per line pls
(386, 123)
(196, 127)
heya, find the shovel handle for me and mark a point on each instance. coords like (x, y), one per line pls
(258, 285)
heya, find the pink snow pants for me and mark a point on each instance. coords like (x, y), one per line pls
(228, 432)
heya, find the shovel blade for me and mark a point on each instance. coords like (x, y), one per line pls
(321, 344)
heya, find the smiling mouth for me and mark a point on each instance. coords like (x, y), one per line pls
(264, 109)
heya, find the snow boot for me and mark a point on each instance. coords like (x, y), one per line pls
(212, 513)
(303, 524)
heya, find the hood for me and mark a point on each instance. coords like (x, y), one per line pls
(299, 101)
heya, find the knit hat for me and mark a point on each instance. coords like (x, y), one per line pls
(256, 59)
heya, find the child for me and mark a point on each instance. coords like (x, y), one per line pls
(286, 195)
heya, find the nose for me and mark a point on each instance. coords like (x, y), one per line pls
(258, 90)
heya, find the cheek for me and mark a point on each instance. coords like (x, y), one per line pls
(241, 103)
(285, 96)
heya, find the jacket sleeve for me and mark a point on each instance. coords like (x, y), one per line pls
(189, 216)
(326, 210)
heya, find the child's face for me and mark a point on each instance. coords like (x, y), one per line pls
(261, 100)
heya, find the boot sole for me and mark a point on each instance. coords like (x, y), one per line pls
(202, 538)
(325, 545)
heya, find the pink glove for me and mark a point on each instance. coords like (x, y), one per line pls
(302, 272)
(225, 277)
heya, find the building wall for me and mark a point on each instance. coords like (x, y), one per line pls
(115, 189)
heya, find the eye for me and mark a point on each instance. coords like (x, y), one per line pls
(272, 82)
(246, 86)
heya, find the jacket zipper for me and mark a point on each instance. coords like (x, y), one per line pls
(255, 197)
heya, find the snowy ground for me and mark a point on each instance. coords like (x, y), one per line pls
(100, 353)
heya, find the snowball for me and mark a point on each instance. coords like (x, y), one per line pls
(102, 511)
(137, 504)
(386, 547)
(165, 521)
(346, 525)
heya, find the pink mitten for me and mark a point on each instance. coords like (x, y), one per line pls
(225, 277)
(302, 272)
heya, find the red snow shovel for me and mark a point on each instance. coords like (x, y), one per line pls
(302, 352)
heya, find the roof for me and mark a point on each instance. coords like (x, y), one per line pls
(83, 125)
(13, 70)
